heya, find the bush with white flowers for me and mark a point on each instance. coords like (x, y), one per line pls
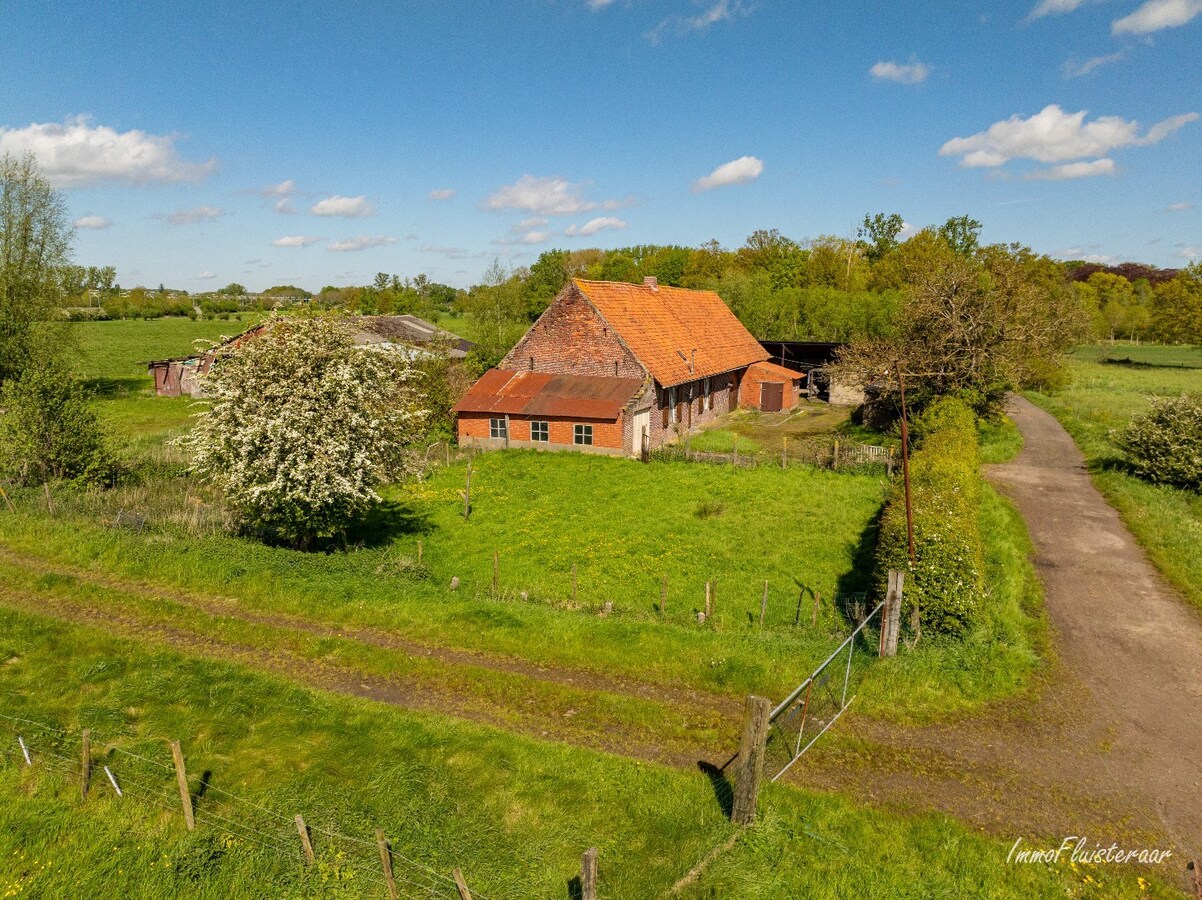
(302, 424)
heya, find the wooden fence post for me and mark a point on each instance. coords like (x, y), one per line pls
(784, 453)
(835, 458)
(764, 604)
(386, 862)
(306, 844)
(85, 766)
(751, 760)
(467, 493)
(588, 874)
(49, 502)
(181, 777)
(891, 614)
(709, 600)
(461, 885)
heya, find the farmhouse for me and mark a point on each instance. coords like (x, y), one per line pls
(621, 368)
(404, 334)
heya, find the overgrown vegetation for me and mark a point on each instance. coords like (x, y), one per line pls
(1164, 445)
(944, 585)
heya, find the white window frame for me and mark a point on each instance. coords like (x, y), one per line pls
(498, 429)
(580, 431)
(545, 429)
(671, 406)
(708, 403)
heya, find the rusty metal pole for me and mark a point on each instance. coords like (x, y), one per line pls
(905, 436)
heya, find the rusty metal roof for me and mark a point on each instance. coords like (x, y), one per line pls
(555, 396)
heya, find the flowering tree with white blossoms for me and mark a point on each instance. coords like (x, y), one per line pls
(302, 425)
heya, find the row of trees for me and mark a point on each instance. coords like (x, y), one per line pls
(1166, 310)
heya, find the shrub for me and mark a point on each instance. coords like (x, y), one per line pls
(945, 582)
(1165, 445)
(303, 425)
(49, 431)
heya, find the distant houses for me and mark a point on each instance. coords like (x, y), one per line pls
(621, 368)
(408, 335)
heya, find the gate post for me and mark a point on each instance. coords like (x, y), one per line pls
(750, 771)
(891, 614)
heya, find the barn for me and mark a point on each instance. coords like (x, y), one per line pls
(619, 368)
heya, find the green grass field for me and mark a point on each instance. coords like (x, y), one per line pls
(513, 813)
(1101, 399)
(183, 629)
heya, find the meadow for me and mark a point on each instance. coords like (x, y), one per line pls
(499, 730)
(1110, 384)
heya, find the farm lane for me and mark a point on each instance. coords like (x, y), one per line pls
(1121, 630)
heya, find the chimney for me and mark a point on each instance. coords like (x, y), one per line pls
(651, 281)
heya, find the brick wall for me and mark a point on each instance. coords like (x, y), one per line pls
(690, 403)
(571, 338)
(608, 436)
(749, 391)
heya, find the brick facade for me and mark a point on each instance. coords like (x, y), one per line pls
(570, 338)
(749, 391)
(608, 436)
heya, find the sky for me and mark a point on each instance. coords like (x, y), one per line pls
(198, 144)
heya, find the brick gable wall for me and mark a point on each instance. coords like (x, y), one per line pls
(570, 338)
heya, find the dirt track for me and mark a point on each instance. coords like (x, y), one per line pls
(1111, 746)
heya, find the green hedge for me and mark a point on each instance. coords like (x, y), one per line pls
(945, 583)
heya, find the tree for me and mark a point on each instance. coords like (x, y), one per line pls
(303, 425)
(881, 231)
(48, 430)
(962, 233)
(233, 289)
(35, 243)
(976, 327)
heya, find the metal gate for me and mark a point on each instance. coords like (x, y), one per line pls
(806, 714)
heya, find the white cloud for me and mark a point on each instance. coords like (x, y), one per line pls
(95, 223)
(714, 12)
(544, 196)
(195, 214)
(295, 240)
(594, 225)
(1054, 8)
(362, 242)
(598, 4)
(1172, 207)
(283, 189)
(450, 252)
(535, 237)
(1068, 171)
(1054, 136)
(1186, 251)
(737, 171)
(441, 194)
(205, 276)
(1154, 15)
(902, 73)
(77, 153)
(1074, 69)
(347, 207)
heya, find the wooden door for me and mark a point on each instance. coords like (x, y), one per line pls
(771, 396)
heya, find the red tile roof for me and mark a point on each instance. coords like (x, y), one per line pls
(669, 328)
(542, 394)
(768, 371)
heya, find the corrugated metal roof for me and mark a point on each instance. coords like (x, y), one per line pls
(544, 394)
(677, 334)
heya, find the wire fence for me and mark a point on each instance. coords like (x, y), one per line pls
(816, 452)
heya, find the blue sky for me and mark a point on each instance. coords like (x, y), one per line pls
(318, 143)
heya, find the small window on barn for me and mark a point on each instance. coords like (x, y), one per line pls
(497, 428)
(672, 405)
(540, 431)
(583, 434)
(709, 401)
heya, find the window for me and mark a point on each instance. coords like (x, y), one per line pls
(709, 400)
(672, 405)
(583, 434)
(540, 431)
(498, 428)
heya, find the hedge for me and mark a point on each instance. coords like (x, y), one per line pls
(945, 583)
